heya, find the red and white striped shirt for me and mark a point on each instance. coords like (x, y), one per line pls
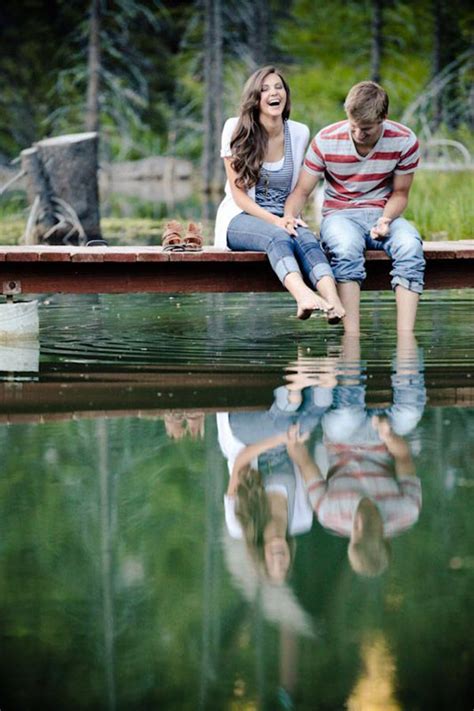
(358, 471)
(352, 180)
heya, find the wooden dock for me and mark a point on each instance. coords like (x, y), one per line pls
(66, 396)
(80, 270)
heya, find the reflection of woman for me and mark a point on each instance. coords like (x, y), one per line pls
(263, 151)
(265, 502)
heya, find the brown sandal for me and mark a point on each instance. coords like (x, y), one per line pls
(193, 238)
(172, 237)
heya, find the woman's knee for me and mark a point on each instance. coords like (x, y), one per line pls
(280, 238)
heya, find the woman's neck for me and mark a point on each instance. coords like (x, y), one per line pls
(278, 523)
(274, 127)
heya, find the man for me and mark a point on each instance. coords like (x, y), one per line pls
(368, 164)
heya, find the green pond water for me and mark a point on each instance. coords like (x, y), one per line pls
(121, 584)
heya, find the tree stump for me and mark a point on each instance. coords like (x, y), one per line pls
(62, 173)
(39, 196)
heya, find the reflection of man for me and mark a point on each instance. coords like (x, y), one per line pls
(371, 491)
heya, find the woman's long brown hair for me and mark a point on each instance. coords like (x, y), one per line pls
(253, 513)
(250, 139)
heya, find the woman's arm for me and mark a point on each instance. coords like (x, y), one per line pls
(246, 455)
(248, 205)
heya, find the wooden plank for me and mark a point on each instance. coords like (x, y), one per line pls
(41, 402)
(149, 269)
(23, 255)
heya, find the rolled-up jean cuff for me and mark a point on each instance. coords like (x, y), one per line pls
(285, 266)
(320, 271)
(414, 286)
(345, 280)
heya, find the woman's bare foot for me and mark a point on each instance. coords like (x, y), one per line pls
(307, 300)
(308, 304)
(336, 313)
(327, 289)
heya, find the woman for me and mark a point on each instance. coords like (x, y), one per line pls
(265, 503)
(263, 152)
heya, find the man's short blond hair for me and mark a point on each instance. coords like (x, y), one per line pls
(367, 101)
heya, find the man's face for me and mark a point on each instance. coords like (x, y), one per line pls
(365, 133)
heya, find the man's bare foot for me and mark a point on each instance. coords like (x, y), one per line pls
(309, 304)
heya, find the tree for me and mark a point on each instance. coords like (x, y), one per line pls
(377, 39)
(212, 100)
(93, 70)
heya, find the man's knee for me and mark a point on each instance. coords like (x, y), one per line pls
(405, 239)
(339, 238)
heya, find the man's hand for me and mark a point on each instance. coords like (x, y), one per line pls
(395, 444)
(295, 445)
(381, 228)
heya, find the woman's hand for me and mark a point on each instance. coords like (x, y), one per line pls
(290, 223)
(286, 223)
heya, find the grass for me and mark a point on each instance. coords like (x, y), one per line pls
(440, 206)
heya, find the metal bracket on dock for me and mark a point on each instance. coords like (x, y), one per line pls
(10, 288)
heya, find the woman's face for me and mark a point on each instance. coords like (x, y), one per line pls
(277, 559)
(272, 96)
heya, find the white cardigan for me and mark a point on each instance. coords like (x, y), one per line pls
(228, 209)
(302, 518)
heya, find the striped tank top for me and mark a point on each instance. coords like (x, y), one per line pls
(274, 186)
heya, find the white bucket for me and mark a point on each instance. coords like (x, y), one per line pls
(19, 320)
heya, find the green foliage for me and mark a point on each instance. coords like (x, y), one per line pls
(152, 76)
(441, 205)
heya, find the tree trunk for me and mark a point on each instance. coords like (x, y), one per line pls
(62, 171)
(259, 33)
(37, 186)
(217, 81)
(377, 40)
(436, 61)
(93, 70)
(212, 108)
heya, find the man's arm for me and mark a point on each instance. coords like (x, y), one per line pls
(397, 447)
(395, 205)
(297, 198)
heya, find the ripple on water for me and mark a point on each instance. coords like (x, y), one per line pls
(238, 331)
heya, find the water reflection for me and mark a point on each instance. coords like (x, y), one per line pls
(376, 686)
(123, 585)
(366, 488)
(266, 503)
(357, 474)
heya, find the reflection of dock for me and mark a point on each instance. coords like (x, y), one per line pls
(38, 269)
(74, 396)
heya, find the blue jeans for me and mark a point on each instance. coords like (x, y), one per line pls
(302, 254)
(345, 235)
